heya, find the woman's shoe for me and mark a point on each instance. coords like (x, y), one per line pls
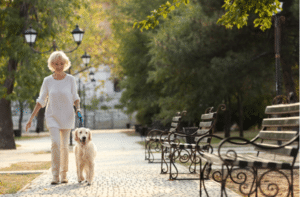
(64, 178)
(55, 180)
(64, 181)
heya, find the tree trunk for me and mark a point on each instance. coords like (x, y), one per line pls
(241, 115)
(7, 140)
(227, 117)
(21, 116)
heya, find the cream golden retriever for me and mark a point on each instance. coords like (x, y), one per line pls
(85, 153)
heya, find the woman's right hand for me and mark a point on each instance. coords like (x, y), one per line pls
(28, 125)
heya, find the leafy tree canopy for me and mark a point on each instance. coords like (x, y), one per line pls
(237, 13)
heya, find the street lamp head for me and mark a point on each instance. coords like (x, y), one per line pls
(30, 36)
(77, 34)
(278, 10)
(91, 73)
(86, 58)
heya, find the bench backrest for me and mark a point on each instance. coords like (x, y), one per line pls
(206, 125)
(175, 124)
(282, 125)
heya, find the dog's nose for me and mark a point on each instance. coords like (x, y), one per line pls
(83, 138)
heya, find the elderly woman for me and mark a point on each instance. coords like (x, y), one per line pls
(61, 92)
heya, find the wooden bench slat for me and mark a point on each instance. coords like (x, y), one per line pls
(212, 158)
(176, 118)
(209, 116)
(247, 160)
(202, 131)
(174, 124)
(205, 124)
(287, 150)
(283, 109)
(277, 135)
(281, 122)
(172, 129)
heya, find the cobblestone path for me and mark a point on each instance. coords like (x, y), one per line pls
(120, 171)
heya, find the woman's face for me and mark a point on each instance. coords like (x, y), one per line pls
(58, 65)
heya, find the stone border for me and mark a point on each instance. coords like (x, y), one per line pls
(24, 172)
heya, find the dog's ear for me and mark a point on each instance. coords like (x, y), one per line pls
(76, 135)
(90, 135)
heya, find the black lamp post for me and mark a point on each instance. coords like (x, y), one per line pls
(30, 36)
(86, 60)
(277, 21)
(94, 82)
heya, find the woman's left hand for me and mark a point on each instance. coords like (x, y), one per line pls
(78, 110)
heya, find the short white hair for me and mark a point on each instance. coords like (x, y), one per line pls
(59, 54)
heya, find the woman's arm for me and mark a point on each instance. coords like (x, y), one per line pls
(77, 105)
(36, 109)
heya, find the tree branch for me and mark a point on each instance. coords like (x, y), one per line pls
(261, 55)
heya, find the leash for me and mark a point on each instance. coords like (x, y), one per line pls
(80, 119)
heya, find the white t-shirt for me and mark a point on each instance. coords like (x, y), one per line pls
(61, 95)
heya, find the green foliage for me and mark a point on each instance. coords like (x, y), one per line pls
(189, 62)
(119, 106)
(139, 95)
(94, 103)
(237, 13)
(104, 107)
(163, 10)
(51, 19)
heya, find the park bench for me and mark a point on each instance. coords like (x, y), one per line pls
(156, 137)
(255, 174)
(187, 152)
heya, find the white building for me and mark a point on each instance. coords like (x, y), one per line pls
(109, 96)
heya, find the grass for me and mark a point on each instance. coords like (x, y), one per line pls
(131, 133)
(12, 183)
(250, 134)
(41, 165)
(41, 152)
(27, 138)
(153, 144)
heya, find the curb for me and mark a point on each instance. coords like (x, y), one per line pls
(28, 184)
(24, 172)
